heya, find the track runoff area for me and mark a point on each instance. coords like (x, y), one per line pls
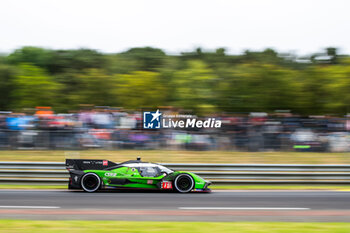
(331, 206)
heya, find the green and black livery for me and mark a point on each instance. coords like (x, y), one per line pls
(92, 175)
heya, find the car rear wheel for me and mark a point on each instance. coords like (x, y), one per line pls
(90, 182)
(184, 183)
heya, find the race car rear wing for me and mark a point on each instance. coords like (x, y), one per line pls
(88, 164)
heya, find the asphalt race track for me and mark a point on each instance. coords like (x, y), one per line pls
(216, 206)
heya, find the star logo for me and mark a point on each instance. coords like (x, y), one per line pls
(152, 120)
(156, 115)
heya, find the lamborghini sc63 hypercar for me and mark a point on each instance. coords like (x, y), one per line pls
(92, 175)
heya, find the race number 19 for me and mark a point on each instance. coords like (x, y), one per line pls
(167, 185)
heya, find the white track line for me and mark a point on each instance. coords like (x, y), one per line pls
(28, 207)
(241, 208)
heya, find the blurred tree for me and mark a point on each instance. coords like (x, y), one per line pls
(33, 87)
(118, 64)
(220, 51)
(258, 87)
(147, 58)
(37, 56)
(194, 86)
(140, 89)
(315, 91)
(332, 52)
(200, 80)
(268, 56)
(167, 76)
(7, 75)
(80, 59)
(3, 58)
(70, 83)
(337, 84)
(95, 87)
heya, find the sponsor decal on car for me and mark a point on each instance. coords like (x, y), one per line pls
(105, 163)
(167, 185)
(149, 181)
(110, 174)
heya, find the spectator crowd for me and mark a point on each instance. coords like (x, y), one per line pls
(113, 128)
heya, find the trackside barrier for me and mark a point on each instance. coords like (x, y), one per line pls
(55, 173)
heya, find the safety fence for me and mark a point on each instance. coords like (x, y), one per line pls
(56, 173)
(116, 139)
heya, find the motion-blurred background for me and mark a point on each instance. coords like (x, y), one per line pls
(82, 98)
(77, 75)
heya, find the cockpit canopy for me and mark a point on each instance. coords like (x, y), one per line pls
(149, 169)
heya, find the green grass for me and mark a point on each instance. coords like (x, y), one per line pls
(213, 187)
(28, 226)
(181, 156)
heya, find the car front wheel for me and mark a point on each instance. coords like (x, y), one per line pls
(184, 183)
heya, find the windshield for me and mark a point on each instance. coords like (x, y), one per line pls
(164, 169)
(149, 171)
(161, 168)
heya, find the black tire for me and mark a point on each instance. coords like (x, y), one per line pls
(90, 182)
(184, 183)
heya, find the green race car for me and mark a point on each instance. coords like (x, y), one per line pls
(92, 175)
